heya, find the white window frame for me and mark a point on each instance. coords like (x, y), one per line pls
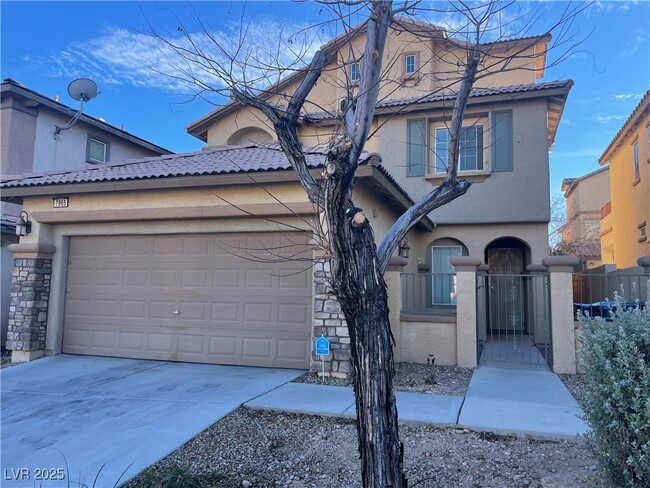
(93, 138)
(635, 155)
(355, 76)
(440, 162)
(407, 57)
(453, 291)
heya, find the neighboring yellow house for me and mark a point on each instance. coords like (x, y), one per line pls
(585, 197)
(165, 286)
(625, 219)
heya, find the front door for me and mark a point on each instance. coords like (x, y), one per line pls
(506, 290)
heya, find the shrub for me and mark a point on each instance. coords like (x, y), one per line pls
(616, 358)
(176, 477)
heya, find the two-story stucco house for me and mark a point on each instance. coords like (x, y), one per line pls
(28, 145)
(154, 252)
(585, 198)
(623, 228)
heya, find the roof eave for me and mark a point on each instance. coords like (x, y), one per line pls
(27, 93)
(642, 108)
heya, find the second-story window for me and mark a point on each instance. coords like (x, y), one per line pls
(97, 149)
(410, 64)
(470, 156)
(635, 148)
(355, 72)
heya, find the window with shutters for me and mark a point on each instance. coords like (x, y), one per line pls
(485, 146)
(470, 157)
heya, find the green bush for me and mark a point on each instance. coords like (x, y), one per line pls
(176, 477)
(616, 358)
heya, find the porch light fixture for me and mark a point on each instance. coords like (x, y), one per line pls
(23, 224)
(404, 249)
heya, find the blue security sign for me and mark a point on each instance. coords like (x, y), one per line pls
(322, 346)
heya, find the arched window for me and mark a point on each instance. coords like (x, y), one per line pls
(443, 274)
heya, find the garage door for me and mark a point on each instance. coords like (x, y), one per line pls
(222, 299)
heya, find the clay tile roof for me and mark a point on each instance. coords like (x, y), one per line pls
(222, 160)
(440, 97)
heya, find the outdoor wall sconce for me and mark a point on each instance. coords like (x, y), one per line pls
(404, 249)
(23, 225)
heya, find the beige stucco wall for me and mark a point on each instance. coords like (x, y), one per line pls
(583, 206)
(477, 237)
(492, 199)
(190, 197)
(437, 69)
(630, 197)
(420, 340)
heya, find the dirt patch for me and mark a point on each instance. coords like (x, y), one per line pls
(270, 449)
(413, 377)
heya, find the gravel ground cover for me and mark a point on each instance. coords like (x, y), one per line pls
(577, 385)
(413, 377)
(5, 359)
(269, 449)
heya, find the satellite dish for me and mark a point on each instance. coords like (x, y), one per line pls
(82, 89)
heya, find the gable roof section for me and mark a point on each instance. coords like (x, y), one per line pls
(632, 121)
(569, 184)
(212, 161)
(229, 165)
(199, 127)
(513, 91)
(10, 87)
(556, 93)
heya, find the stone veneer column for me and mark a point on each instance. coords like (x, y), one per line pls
(30, 296)
(329, 321)
(562, 324)
(466, 324)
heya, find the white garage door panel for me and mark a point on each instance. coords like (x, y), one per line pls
(190, 298)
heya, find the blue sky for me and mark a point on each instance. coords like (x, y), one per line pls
(45, 45)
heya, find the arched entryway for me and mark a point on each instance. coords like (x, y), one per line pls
(510, 298)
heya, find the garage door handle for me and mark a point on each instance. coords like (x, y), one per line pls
(176, 312)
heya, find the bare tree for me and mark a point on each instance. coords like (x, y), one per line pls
(357, 264)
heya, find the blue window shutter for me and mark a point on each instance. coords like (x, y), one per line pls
(416, 143)
(502, 140)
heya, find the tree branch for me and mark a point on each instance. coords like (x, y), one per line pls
(443, 194)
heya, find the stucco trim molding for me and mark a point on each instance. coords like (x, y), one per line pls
(396, 263)
(175, 213)
(644, 261)
(32, 251)
(561, 264)
(465, 263)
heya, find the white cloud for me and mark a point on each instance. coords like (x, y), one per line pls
(627, 96)
(638, 41)
(606, 119)
(120, 56)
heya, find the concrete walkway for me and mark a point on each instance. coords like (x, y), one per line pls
(81, 417)
(504, 398)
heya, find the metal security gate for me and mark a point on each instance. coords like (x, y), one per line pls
(514, 318)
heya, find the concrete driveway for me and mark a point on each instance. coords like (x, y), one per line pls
(122, 414)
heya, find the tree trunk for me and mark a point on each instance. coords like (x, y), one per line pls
(361, 290)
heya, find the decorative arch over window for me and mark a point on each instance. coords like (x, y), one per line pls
(248, 135)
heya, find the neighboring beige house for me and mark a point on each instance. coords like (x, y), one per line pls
(152, 256)
(27, 145)
(624, 225)
(585, 197)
